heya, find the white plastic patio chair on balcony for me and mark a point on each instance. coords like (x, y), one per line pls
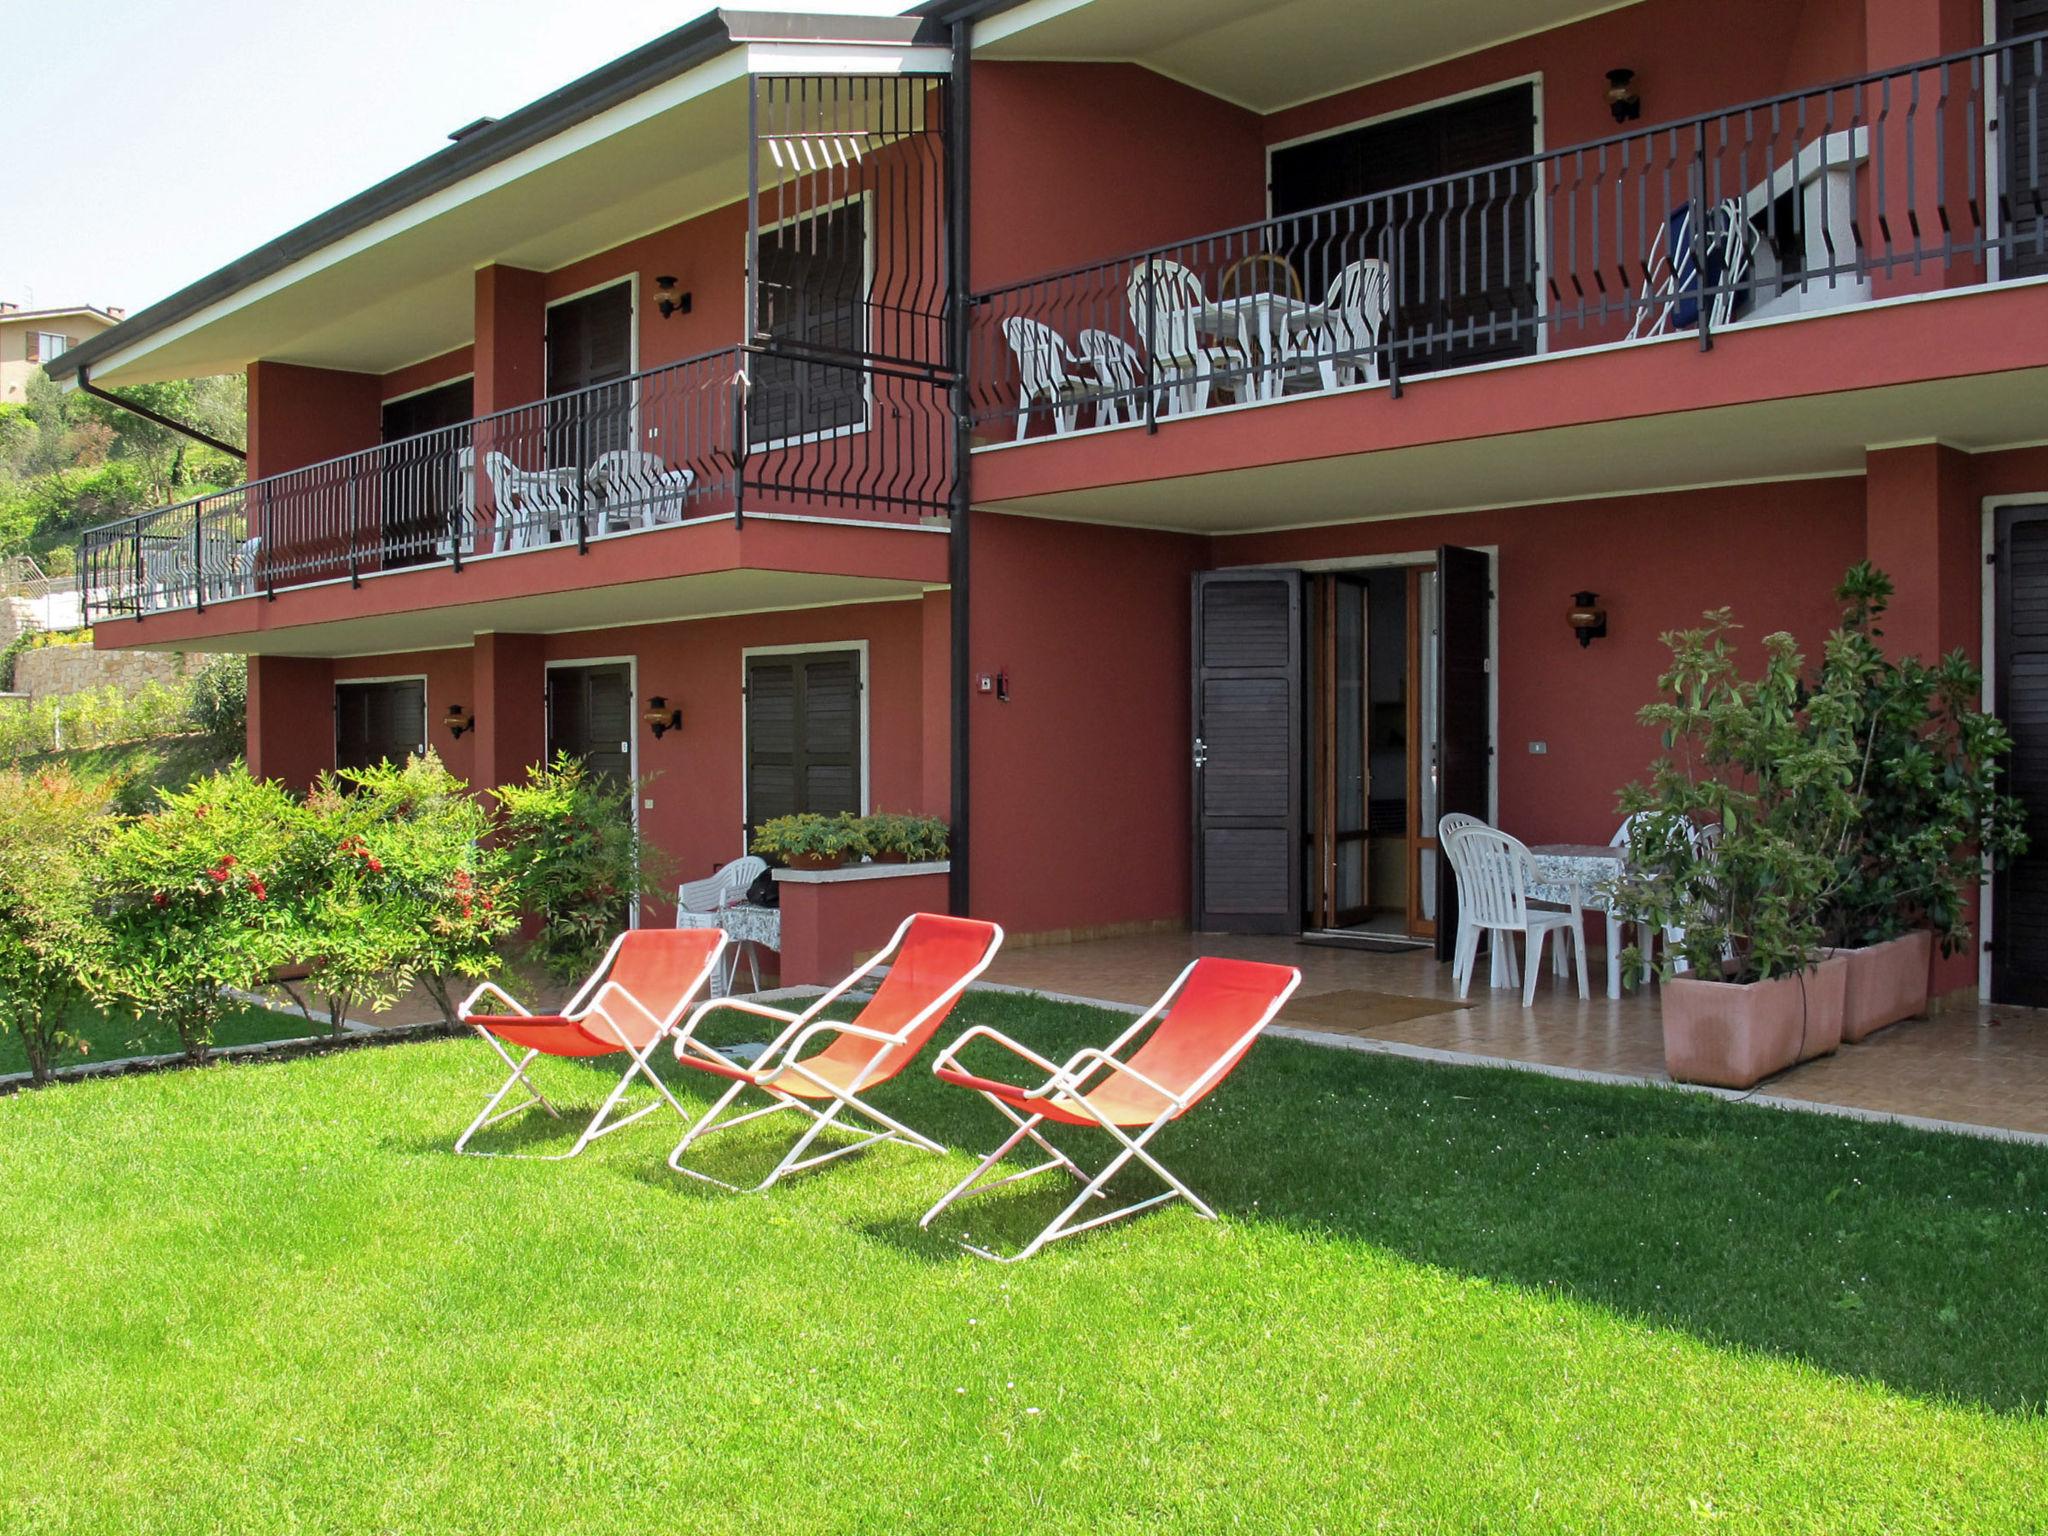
(534, 506)
(1042, 376)
(1119, 371)
(635, 489)
(698, 903)
(1165, 297)
(1344, 349)
(1671, 275)
(1495, 872)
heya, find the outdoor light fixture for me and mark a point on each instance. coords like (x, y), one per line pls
(1587, 618)
(660, 718)
(1622, 99)
(671, 302)
(458, 720)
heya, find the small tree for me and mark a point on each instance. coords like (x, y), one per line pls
(1927, 766)
(577, 862)
(46, 822)
(420, 859)
(198, 898)
(1773, 766)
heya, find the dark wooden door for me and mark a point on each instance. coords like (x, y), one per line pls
(419, 479)
(590, 716)
(2023, 140)
(1464, 709)
(803, 735)
(379, 722)
(2019, 904)
(590, 348)
(1247, 752)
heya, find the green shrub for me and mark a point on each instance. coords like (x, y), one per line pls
(577, 864)
(811, 836)
(914, 838)
(46, 824)
(219, 706)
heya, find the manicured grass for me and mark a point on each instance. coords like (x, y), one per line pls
(267, 1298)
(111, 1035)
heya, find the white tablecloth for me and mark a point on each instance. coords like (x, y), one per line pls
(1587, 869)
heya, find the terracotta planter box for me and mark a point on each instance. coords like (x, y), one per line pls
(1886, 983)
(1734, 1036)
(817, 860)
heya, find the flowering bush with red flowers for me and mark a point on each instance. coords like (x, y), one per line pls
(47, 820)
(196, 898)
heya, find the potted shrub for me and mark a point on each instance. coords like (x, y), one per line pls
(811, 841)
(1767, 763)
(894, 838)
(1927, 765)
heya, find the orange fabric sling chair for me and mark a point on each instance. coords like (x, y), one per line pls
(931, 961)
(1206, 1022)
(631, 1003)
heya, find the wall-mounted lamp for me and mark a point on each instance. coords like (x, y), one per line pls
(1587, 618)
(660, 718)
(458, 720)
(1622, 99)
(671, 302)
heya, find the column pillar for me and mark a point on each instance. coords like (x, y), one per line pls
(291, 718)
(511, 338)
(510, 681)
(936, 704)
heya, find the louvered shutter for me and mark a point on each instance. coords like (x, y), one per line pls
(803, 735)
(2019, 959)
(2023, 140)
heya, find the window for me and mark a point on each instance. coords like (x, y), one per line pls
(590, 342)
(379, 722)
(804, 727)
(47, 346)
(813, 276)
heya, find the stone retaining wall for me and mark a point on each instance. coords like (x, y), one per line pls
(57, 670)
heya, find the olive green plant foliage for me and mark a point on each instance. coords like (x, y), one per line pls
(809, 835)
(1774, 764)
(47, 821)
(197, 897)
(576, 863)
(1927, 768)
(915, 838)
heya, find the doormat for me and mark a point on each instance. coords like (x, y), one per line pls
(1360, 1013)
(1371, 943)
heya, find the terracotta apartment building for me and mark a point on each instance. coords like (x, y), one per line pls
(1169, 441)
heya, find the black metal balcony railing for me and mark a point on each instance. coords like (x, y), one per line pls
(692, 440)
(1920, 177)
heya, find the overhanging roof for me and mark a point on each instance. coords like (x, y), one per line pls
(639, 133)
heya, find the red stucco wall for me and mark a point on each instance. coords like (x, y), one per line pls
(300, 415)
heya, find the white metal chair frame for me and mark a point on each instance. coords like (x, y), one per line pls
(698, 903)
(784, 1058)
(1164, 297)
(1042, 359)
(637, 489)
(590, 1001)
(1493, 896)
(1067, 1086)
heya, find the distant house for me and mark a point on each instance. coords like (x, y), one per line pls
(30, 338)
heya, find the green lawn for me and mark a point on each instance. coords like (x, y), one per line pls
(267, 1298)
(118, 1034)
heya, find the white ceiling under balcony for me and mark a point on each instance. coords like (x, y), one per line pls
(1270, 54)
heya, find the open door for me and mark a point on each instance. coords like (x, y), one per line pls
(1464, 715)
(1247, 752)
(2019, 901)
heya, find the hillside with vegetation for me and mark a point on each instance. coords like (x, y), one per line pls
(69, 461)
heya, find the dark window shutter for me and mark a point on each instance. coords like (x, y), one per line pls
(378, 722)
(803, 734)
(589, 343)
(812, 296)
(2023, 134)
(32, 344)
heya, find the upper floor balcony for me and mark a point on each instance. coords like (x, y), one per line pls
(1646, 272)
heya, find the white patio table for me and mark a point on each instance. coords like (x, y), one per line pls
(751, 930)
(1581, 875)
(1259, 322)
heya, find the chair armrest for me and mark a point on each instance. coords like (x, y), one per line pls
(502, 995)
(949, 1057)
(1072, 1075)
(686, 1037)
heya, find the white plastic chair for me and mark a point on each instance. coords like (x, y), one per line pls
(698, 903)
(1118, 371)
(1164, 298)
(1505, 973)
(1671, 273)
(1042, 359)
(1495, 872)
(636, 489)
(1345, 348)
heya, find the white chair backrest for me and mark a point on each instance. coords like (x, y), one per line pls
(1116, 362)
(1361, 298)
(1041, 355)
(627, 464)
(710, 894)
(1493, 882)
(1166, 294)
(1449, 826)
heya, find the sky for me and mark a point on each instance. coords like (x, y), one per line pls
(150, 142)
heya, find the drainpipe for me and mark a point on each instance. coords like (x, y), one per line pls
(86, 386)
(958, 144)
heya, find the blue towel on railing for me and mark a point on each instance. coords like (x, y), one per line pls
(1686, 286)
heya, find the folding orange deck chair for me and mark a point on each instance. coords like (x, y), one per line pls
(1213, 1011)
(631, 1003)
(931, 961)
